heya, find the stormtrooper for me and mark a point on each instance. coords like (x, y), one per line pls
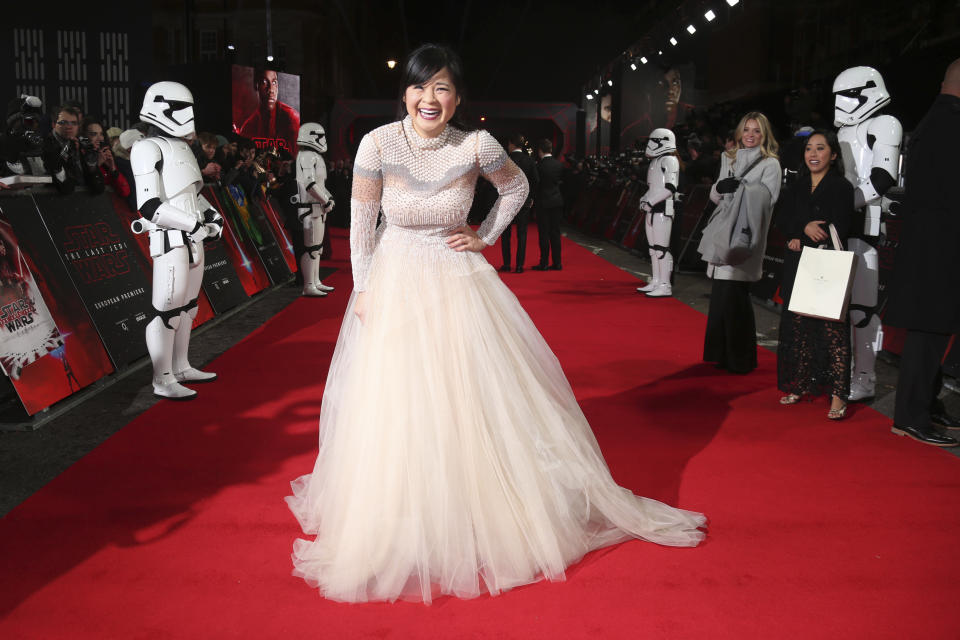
(178, 220)
(314, 202)
(871, 156)
(657, 203)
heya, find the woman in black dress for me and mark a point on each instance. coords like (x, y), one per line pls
(813, 356)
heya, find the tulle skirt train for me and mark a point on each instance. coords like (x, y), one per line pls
(454, 458)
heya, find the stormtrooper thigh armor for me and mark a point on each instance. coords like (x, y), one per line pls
(657, 203)
(870, 145)
(315, 203)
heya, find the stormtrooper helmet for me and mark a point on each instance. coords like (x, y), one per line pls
(660, 143)
(312, 136)
(858, 92)
(169, 107)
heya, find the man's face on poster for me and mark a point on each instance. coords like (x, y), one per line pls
(268, 86)
(606, 108)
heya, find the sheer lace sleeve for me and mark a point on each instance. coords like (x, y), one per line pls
(364, 207)
(510, 183)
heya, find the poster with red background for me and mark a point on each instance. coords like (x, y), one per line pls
(266, 107)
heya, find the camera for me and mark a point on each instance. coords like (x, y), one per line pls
(88, 152)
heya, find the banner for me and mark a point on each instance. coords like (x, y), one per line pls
(240, 250)
(102, 262)
(653, 97)
(274, 214)
(69, 354)
(253, 225)
(266, 107)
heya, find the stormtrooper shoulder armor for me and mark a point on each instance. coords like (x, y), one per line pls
(885, 129)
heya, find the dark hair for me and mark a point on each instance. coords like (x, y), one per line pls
(425, 62)
(91, 121)
(545, 146)
(245, 144)
(68, 108)
(517, 140)
(833, 143)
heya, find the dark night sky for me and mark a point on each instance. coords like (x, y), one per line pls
(520, 50)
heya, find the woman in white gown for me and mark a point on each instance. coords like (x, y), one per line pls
(454, 458)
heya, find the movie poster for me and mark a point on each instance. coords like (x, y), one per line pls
(242, 252)
(103, 264)
(590, 127)
(266, 107)
(653, 97)
(53, 350)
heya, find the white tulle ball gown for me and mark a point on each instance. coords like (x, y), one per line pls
(454, 458)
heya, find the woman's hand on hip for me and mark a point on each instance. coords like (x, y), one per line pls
(466, 239)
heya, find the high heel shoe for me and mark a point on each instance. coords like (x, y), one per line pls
(838, 414)
(791, 398)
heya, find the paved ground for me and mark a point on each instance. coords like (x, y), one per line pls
(30, 459)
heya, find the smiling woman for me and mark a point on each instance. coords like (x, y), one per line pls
(454, 458)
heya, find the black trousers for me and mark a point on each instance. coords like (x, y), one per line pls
(520, 222)
(548, 226)
(731, 337)
(920, 378)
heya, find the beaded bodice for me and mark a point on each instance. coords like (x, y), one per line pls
(426, 185)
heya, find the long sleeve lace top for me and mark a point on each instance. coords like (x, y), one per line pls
(427, 185)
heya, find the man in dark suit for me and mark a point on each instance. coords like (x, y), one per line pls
(549, 205)
(926, 276)
(515, 148)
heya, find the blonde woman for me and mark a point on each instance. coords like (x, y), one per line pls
(749, 177)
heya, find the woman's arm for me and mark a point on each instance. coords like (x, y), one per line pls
(510, 182)
(364, 207)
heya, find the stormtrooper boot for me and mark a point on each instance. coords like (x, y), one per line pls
(160, 341)
(655, 274)
(182, 370)
(309, 269)
(663, 289)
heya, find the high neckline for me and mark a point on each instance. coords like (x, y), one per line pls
(424, 143)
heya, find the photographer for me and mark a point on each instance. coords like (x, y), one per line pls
(93, 132)
(68, 159)
(20, 141)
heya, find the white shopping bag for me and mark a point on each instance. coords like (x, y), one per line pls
(823, 283)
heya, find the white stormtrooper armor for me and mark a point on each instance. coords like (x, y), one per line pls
(314, 203)
(179, 219)
(657, 203)
(871, 154)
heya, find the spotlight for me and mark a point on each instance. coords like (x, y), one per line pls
(643, 59)
(589, 96)
(633, 66)
(733, 3)
(673, 41)
(609, 83)
(230, 47)
(710, 15)
(691, 29)
(270, 58)
(659, 53)
(596, 91)
(483, 118)
(391, 64)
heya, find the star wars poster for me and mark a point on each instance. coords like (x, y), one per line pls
(266, 106)
(241, 250)
(49, 347)
(652, 97)
(102, 262)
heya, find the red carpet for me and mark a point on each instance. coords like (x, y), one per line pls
(176, 526)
